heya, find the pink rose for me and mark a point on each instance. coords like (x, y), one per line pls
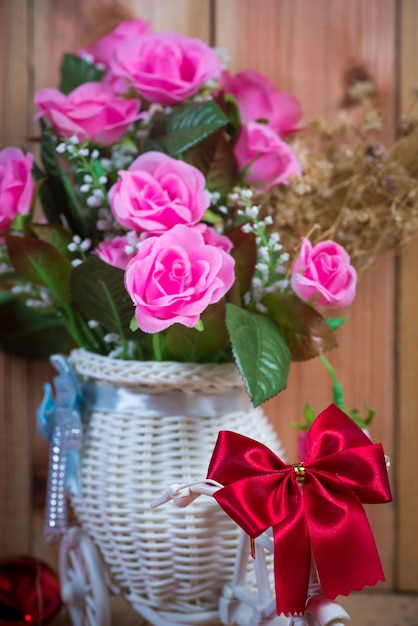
(214, 238)
(16, 185)
(157, 192)
(258, 99)
(101, 50)
(165, 68)
(91, 111)
(264, 158)
(323, 274)
(174, 277)
(117, 251)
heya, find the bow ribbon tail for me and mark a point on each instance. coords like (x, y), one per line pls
(292, 560)
(342, 542)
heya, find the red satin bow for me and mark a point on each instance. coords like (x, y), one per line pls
(342, 470)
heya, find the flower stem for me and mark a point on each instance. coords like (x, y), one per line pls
(157, 347)
(337, 388)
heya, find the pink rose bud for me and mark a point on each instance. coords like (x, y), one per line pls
(165, 68)
(212, 237)
(323, 275)
(91, 111)
(16, 185)
(101, 50)
(173, 278)
(263, 158)
(157, 192)
(117, 251)
(258, 99)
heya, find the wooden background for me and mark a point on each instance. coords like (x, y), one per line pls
(308, 47)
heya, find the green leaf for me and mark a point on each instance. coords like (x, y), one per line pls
(305, 330)
(99, 293)
(74, 213)
(50, 209)
(40, 263)
(193, 345)
(30, 334)
(308, 416)
(53, 234)
(187, 125)
(336, 322)
(75, 71)
(260, 351)
(362, 422)
(215, 158)
(245, 254)
(58, 196)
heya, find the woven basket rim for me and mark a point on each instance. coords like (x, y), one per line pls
(156, 375)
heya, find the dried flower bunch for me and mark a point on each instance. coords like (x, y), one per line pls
(354, 190)
(183, 213)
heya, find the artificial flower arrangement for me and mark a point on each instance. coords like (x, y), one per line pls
(150, 228)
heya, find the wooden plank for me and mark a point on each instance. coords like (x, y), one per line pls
(188, 17)
(310, 49)
(14, 93)
(406, 459)
(15, 423)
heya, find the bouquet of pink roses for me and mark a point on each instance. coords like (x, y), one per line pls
(137, 235)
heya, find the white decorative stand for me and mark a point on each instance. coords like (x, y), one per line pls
(244, 604)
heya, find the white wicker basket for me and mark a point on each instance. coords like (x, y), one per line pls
(173, 560)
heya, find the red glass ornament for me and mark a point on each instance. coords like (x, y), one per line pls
(29, 592)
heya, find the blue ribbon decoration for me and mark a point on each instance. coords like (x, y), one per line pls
(59, 422)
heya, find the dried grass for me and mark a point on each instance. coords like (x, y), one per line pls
(354, 190)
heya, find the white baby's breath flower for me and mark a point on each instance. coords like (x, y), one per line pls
(87, 57)
(106, 164)
(32, 303)
(116, 352)
(85, 188)
(263, 253)
(252, 211)
(103, 225)
(257, 282)
(61, 148)
(93, 201)
(247, 228)
(112, 338)
(224, 56)
(76, 262)
(85, 245)
(262, 268)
